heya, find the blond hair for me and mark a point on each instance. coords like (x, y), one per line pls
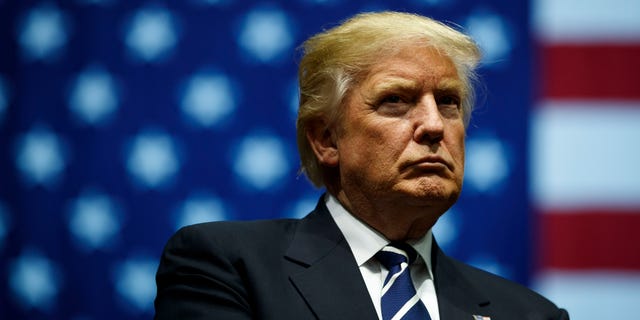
(335, 60)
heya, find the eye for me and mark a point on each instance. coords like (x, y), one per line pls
(449, 106)
(449, 101)
(392, 98)
(393, 105)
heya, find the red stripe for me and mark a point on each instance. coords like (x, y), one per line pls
(590, 240)
(603, 71)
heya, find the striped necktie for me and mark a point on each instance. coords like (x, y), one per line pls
(399, 297)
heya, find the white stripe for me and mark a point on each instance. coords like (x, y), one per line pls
(585, 154)
(593, 295)
(406, 307)
(387, 286)
(590, 20)
(396, 251)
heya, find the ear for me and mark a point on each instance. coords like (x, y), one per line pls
(322, 141)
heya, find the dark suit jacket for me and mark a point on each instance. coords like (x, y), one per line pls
(304, 269)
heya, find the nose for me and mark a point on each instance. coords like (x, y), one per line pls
(429, 125)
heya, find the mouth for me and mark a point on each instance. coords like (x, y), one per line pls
(430, 163)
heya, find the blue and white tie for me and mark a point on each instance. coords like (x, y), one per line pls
(399, 297)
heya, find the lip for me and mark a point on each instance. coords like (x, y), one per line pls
(430, 162)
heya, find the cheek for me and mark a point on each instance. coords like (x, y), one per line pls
(456, 147)
(375, 134)
(460, 154)
(375, 147)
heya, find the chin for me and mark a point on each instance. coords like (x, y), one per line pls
(435, 193)
(436, 187)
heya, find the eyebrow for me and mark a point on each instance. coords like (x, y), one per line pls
(451, 85)
(394, 83)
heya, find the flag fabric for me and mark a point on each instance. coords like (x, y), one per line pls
(585, 156)
(122, 121)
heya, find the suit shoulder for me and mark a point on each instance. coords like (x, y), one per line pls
(508, 293)
(257, 227)
(232, 234)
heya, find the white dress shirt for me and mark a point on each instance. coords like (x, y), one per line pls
(365, 242)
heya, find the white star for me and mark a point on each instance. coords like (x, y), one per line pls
(491, 264)
(261, 161)
(293, 94)
(93, 220)
(151, 34)
(200, 208)
(42, 32)
(33, 280)
(152, 159)
(491, 32)
(486, 164)
(266, 34)
(135, 282)
(303, 206)
(446, 229)
(39, 157)
(208, 99)
(93, 98)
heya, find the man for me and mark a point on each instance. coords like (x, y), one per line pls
(385, 99)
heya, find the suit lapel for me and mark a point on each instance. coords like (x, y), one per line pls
(457, 297)
(330, 281)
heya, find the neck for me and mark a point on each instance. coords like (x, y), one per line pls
(396, 220)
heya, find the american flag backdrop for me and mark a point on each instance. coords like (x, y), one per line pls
(121, 121)
(585, 153)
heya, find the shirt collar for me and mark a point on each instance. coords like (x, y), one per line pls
(365, 242)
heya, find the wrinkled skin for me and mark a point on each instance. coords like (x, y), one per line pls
(398, 149)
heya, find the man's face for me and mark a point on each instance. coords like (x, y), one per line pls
(401, 137)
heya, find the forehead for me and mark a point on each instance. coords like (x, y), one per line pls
(412, 66)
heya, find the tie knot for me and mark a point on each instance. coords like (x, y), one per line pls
(395, 254)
